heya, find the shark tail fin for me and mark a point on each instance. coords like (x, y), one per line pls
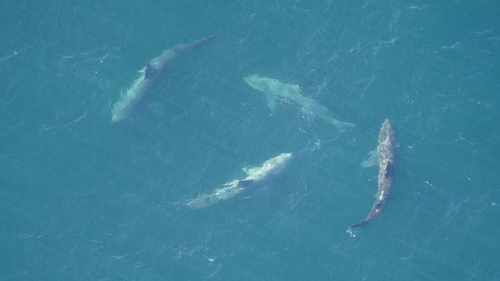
(344, 125)
(348, 124)
(363, 223)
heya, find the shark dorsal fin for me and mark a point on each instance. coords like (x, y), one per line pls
(245, 183)
(150, 72)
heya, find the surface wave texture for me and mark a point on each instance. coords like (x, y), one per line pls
(84, 199)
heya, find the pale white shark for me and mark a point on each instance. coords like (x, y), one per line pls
(275, 90)
(230, 189)
(148, 76)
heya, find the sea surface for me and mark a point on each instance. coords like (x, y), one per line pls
(84, 199)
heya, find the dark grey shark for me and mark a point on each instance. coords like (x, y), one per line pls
(131, 96)
(385, 156)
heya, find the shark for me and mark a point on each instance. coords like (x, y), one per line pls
(276, 90)
(131, 96)
(384, 155)
(255, 175)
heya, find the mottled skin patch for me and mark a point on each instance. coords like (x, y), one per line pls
(385, 151)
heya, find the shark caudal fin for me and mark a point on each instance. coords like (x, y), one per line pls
(348, 124)
(342, 126)
(363, 223)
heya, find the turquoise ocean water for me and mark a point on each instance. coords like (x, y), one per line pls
(84, 199)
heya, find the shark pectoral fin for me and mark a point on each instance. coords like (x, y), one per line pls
(245, 170)
(372, 159)
(250, 170)
(391, 197)
(271, 101)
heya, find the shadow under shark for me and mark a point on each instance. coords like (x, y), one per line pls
(230, 189)
(275, 90)
(149, 75)
(384, 156)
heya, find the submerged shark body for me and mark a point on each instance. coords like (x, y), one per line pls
(276, 90)
(230, 189)
(385, 158)
(149, 75)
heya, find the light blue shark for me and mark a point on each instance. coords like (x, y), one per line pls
(276, 90)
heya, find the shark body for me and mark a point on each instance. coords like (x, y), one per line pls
(230, 189)
(384, 155)
(149, 75)
(276, 90)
